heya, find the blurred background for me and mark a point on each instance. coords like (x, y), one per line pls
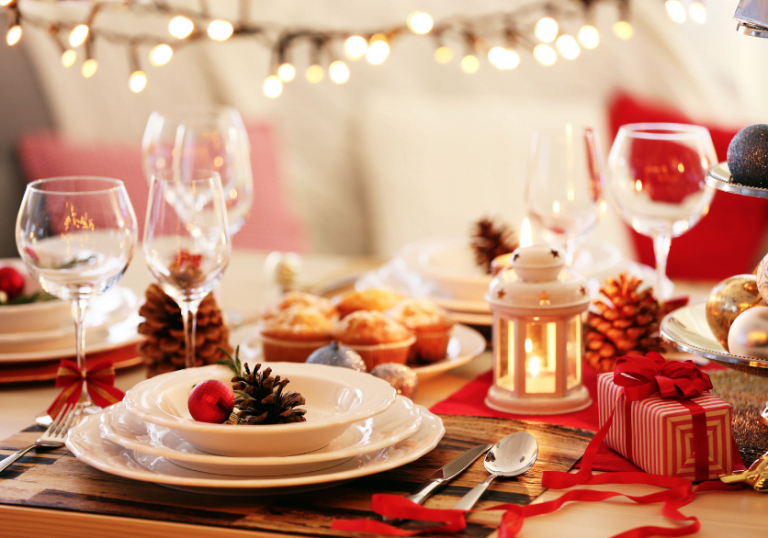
(406, 150)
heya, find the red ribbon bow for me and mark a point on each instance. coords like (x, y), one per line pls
(642, 377)
(99, 381)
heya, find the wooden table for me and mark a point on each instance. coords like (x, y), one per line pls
(246, 287)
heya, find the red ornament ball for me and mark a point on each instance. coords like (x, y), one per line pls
(211, 401)
(11, 282)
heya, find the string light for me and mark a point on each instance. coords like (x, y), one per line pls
(14, 35)
(339, 72)
(89, 67)
(314, 73)
(443, 54)
(470, 64)
(623, 30)
(503, 58)
(68, 58)
(6, 3)
(286, 73)
(220, 30)
(355, 47)
(568, 47)
(273, 87)
(698, 12)
(675, 10)
(138, 81)
(546, 29)
(181, 27)
(78, 35)
(545, 54)
(160, 55)
(420, 22)
(378, 50)
(589, 36)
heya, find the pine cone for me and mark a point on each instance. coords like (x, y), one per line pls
(490, 241)
(624, 321)
(164, 350)
(262, 399)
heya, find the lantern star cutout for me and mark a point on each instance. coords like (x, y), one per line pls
(555, 254)
(515, 257)
(544, 298)
(583, 291)
(500, 294)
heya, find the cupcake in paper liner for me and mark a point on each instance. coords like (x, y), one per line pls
(431, 324)
(294, 333)
(377, 338)
(302, 299)
(378, 299)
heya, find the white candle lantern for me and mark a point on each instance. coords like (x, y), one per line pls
(537, 335)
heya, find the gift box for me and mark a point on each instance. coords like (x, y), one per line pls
(662, 432)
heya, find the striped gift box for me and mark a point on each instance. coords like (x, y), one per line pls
(657, 434)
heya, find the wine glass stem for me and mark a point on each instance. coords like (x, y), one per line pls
(78, 314)
(662, 240)
(189, 317)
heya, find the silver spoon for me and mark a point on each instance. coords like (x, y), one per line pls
(512, 456)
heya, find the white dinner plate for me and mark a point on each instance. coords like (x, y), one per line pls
(87, 445)
(385, 429)
(465, 344)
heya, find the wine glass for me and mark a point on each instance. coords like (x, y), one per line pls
(186, 241)
(203, 138)
(657, 181)
(564, 183)
(76, 236)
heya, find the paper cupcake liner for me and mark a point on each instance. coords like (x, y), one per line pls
(374, 355)
(289, 351)
(431, 346)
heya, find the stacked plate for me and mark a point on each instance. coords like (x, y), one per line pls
(356, 426)
(444, 272)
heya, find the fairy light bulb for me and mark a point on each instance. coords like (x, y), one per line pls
(339, 72)
(78, 35)
(160, 55)
(443, 54)
(220, 30)
(675, 10)
(14, 35)
(470, 64)
(589, 36)
(698, 12)
(420, 22)
(546, 29)
(286, 73)
(503, 58)
(138, 81)
(180, 27)
(6, 3)
(355, 47)
(273, 87)
(568, 47)
(68, 58)
(314, 73)
(378, 50)
(544, 54)
(623, 30)
(89, 68)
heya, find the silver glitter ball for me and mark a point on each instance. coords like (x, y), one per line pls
(337, 355)
(403, 379)
(748, 156)
(748, 336)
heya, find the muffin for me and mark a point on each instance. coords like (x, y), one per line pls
(377, 338)
(300, 298)
(294, 333)
(370, 299)
(431, 325)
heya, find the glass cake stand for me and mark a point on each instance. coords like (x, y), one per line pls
(687, 329)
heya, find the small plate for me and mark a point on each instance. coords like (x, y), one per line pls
(465, 344)
(42, 316)
(336, 397)
(381, 431)
(87, 445)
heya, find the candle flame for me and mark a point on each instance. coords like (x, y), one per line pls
(526, 236)
(534, 366)
(528, 345)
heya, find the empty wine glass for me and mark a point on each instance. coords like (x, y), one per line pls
(76, 236)
(563, 187)
(657, 181)
(186, 241)
(203, 138)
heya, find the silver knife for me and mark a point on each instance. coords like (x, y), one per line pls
(448, 472)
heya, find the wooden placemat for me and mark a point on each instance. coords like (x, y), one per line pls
(57, 481)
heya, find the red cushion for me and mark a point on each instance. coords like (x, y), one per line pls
(715, 248)
(270, 225)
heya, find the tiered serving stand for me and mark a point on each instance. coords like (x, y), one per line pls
(687, 329)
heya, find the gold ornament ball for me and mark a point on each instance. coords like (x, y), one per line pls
(402, 378)
(727, 300)
(761, 272)
(749, 334)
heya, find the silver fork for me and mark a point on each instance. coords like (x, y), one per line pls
(53, 437)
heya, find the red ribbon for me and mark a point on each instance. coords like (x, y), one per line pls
(99, 381)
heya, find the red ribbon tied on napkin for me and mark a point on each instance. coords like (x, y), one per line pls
(99, 381)
(642, 377)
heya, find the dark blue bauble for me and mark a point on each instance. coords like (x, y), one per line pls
(336, 355)
(748, 156)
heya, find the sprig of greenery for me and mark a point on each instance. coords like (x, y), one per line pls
(233, 364)
(37, 297)
(74, 262)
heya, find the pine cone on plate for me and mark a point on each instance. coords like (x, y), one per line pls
(261, 398)
(490, 240)
(164, 350)
(622, 321)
